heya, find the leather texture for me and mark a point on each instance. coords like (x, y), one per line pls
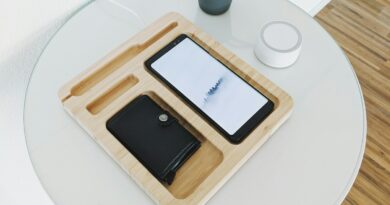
(154, 137)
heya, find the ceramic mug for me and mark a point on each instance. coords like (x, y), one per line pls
(215, 7)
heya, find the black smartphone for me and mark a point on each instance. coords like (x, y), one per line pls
(222, 97)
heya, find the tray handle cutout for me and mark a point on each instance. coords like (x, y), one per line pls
(90, 81)
(111, 94)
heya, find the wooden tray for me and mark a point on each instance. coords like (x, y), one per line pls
(95, 95)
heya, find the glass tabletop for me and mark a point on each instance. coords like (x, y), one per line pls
(311, 159)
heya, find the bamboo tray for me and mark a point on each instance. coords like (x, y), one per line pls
(97, 94)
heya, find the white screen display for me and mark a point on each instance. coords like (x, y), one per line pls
(213, 88)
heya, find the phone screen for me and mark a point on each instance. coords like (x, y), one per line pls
(208, 84)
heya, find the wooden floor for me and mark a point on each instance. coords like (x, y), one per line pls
(362, 29)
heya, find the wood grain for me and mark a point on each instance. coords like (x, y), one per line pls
(362, 29)
(96, 94)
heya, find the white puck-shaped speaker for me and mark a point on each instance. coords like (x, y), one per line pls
(279, 44)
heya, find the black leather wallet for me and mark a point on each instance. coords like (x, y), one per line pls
(153, 136)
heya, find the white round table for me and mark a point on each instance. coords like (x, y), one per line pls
(312, 159)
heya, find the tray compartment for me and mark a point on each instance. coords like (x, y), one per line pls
(111, 94)
(199, 166)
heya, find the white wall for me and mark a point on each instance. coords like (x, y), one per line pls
(22, 20)
(25, 28)
(312, 7)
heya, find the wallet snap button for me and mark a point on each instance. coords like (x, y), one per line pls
(163, 117)
(166, 119)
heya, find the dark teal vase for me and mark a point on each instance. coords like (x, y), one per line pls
(215, 7)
